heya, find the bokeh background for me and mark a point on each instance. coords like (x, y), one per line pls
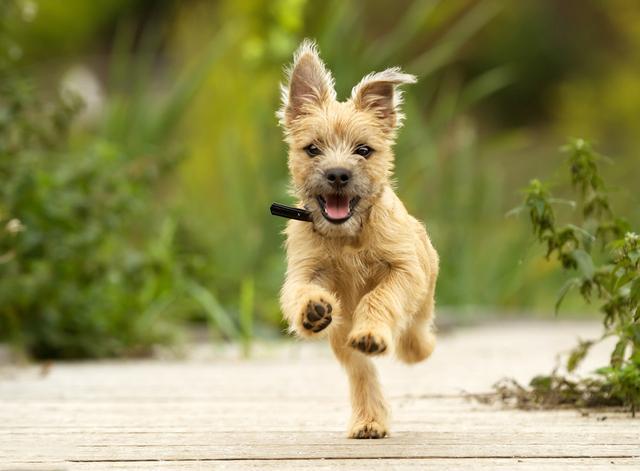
(139, 153)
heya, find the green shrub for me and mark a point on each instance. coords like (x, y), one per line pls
(87, 264)
(94, 258)
(605, 255)
(83, 267)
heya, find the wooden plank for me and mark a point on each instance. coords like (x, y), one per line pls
(507, 464)
(410, 414)
(288, 408)
(235, 448)
(470, 359)
(436, 464)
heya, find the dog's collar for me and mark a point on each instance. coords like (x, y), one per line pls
(291, 212)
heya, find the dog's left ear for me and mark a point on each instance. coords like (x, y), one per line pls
(378, 93)
(309, 84)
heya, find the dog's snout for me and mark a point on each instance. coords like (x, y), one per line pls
(338, 177)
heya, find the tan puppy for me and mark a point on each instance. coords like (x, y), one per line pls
(363, 261)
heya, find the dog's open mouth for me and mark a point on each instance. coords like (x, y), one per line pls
(337, 207)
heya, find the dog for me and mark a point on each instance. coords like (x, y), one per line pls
(363, 271)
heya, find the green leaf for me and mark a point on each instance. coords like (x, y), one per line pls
(634, 291)
(539, 206)
(570, 203)
(584, 262)
(568, 286)
(515, 211)
(578, 354)
(541, 383)
(582, 231)
(617, 356)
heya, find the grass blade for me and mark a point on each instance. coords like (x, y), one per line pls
(444, 52)
(215, 312)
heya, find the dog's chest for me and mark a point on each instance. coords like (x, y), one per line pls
(354, 273)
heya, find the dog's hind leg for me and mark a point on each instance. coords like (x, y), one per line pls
(417, 341)
(370, 411)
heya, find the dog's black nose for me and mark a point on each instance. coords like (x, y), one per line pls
(338, 177)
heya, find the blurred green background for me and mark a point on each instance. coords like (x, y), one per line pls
(139, 152)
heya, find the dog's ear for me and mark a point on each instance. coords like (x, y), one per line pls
(309, 83)
(378, 93)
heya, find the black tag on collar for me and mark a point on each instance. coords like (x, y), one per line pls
(290, 212)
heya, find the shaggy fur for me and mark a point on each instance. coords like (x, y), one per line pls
(368, 282)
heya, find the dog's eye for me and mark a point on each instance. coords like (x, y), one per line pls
(364, 151)
(312, 150)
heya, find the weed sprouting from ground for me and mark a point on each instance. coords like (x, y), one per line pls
(604, 254)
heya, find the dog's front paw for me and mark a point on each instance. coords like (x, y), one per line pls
(316, 315)
(368, 429)
(369, 342)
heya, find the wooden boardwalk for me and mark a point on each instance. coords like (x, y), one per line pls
(287, 409)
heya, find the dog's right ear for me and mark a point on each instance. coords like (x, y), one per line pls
(309, 84)
(379, 94)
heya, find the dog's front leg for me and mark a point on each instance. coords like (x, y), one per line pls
(386, 308)
(370, 411)
(307, 305)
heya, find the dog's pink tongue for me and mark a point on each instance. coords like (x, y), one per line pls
(337, 206)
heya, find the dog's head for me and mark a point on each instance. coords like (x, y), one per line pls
(340, 153)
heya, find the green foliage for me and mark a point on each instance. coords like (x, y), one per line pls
(95, 260)
(88, 262)
(207, 73)
(237, 161)
(556, 390)
(606, 257)
(73, 282)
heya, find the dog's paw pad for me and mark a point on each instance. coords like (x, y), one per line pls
(368, 430)
(317, 315)
(369, 343)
